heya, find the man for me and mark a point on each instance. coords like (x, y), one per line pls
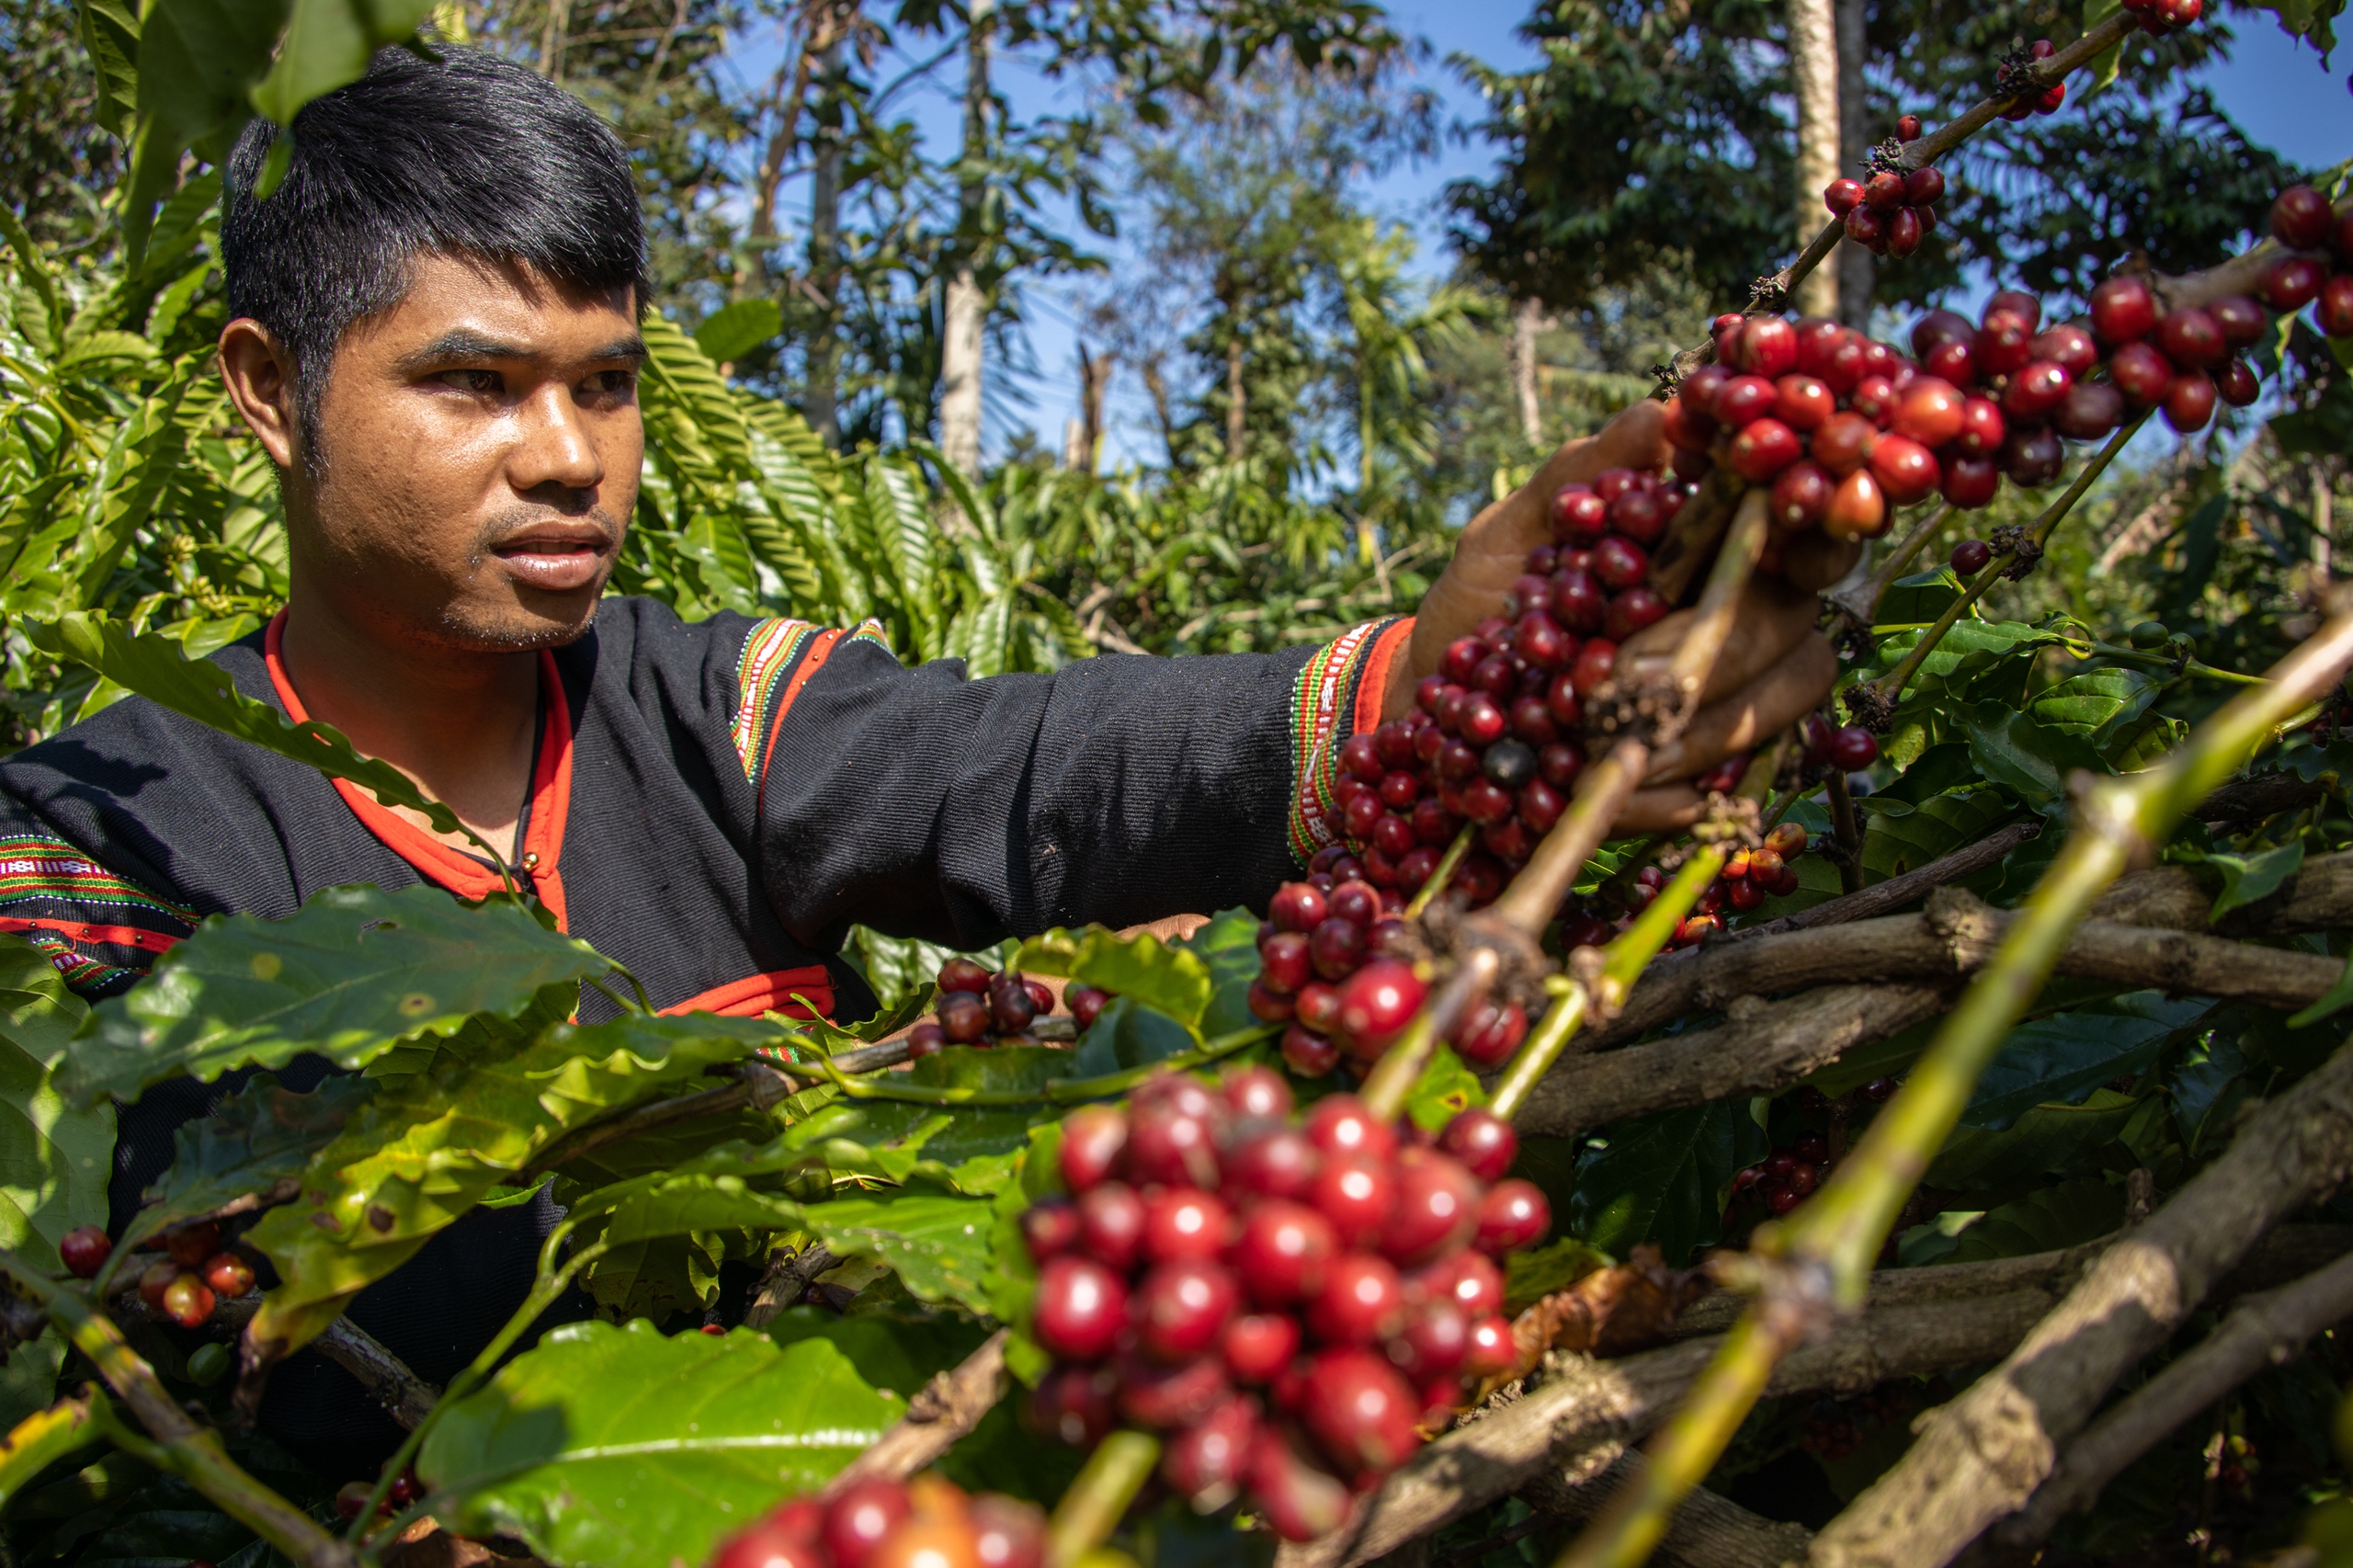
(436, 340)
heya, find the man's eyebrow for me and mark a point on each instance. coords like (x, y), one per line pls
(463, 344)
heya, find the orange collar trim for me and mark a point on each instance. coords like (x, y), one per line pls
(450, 869)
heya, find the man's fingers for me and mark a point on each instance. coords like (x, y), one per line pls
(1812, 560)
(1790, 689)
(1665, 809)
(1773, 618)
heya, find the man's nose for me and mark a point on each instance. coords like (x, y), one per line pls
(556, 447)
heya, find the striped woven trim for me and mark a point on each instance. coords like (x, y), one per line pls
(50, 869)
(84, 975)
(1326, 710)
(769, 653)
(870, 630)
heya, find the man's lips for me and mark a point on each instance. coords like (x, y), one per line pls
(556, 559)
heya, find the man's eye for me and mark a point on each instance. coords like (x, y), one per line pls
(608, 383)
(474, 381)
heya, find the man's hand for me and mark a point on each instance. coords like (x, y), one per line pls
(1775, 666)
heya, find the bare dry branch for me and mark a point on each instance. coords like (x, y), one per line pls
(1709, 1531)
(942, 1410)
(1896, 892)
(786, 1281)
(1985, 1454)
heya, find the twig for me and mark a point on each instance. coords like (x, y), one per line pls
(787, 1280)
(942, 1410)
(406, 1397)
(1887, 897)
(2264, 1331)
(1847, 835)
(1985, 1454)
(1709, 1531)
(2317, 897)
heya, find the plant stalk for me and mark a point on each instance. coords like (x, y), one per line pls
(1820, 1262)
(1091, 1510)
(1441, 875)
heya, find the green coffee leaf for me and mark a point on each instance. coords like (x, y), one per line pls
(2059, 1059)
(1529, 1277)
(2209, 1087)
(2044, 1139)
(1919, 599)
(970, 1148)
(673, 1206)
(896, 1349)
(1229, 946)
(734, 330)
(2044, 1221)
(2011, 749)
(55, 1157)
(1446, 1088)
(2249, 879)
(429, 1145)
(354, 972)
(254, 1147)
(327, 44)
(937, 1244)
(1664, 1178)
(1160, 975)
(2108, 62)
(620, 1448)
(1127, 1034)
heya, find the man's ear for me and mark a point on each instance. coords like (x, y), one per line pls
(259, 374)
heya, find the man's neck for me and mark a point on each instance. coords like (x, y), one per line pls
(459, 724)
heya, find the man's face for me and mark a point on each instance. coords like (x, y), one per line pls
(475, 461)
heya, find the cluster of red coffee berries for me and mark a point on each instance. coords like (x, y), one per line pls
(1329, 968)
(2159, 18)
(1492, 739)
(2302, 220)
(1894, 210)
(184, 1285)
(2038, 100)
(983, 1006)
(1341, 1267)
(929, 1522)
(1788, 1175)
(1749, 878)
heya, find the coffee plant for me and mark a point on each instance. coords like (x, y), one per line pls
(1987, 1018)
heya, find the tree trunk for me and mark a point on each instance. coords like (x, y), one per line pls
(967, 305)
(551, 39)
(1236, 407)
(1855, 268)
(1083, 436)
(1527, 322)
(824, 251)
(1814, 63)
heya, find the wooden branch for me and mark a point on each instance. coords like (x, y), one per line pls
(1983, 1455)
(786, 1281)
(1587, 1412)
(942, 1410)
(2265, 1330)
(1896, 892)
(405, 1396)
(1709, 1531)
(2319, 897)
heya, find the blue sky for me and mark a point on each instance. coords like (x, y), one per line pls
(2272, 85)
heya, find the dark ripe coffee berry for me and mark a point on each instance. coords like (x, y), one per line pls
(1392, 836)
(1493, 676)
(1360, 1411)
(1393, 742)
(1619, 563)
(2142, 373)
(1543, 641)
(964, 1018)
(2237, 384)
(1940, 326)
(155, 1279)
(1488, 1035)
(2294, 282)
(1207, 1462)
(1079, 1308)
(1541, 805)
(2299, 218)
(1307, 1053)
(1800, 496)
(190, 1245)
(1297, 906)
(2035, 393)
(187, 1301)
(1433, 823)
(1907, 128)
(1883, 192)
(1559, 764)
(1532, 720)
(1578, 516)
(84, 1250)
(1512, 1215)
(1354, 1194)
(1852, 749)
(1970, 481)
(1762, 449)
(2240, 319)
(1050, 1228)
(1336, 948)
(2004, 343)
(1362, 1300)
(1508, 764)
(1437, 1337)
(1842, 196)
(1905, 469)
(2089, 411)
(1339, 1124)
(1969, 556)
(1011, 1007)
(1612, 483)
(2016, 303)
(1258, 1346)
(1283, 1251)
(1483, 1140)
(1483, 721)
(1436, 1208)
(1924, 187)
(1301, 1501)
(2066, 345)
(1317, 1006)
(228, 1274)
(1256, 1094)
(2123, 310)
(1640, 515)
(2333, 309)
(1165, 1397)
(1746, 398)
(1110, 1224)
(1181, 1307)
(1041, 995)
(1983, 429)
(1004, 1533)
(1904, 231)
(1183, 1224)
(1267, 1004)
(2189, 402)
(1377, 1002)
(2032, 458)
(963, 975)
(1593, 666)
(2191, 339)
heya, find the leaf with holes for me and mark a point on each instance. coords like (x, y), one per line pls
(350, 975)
(620, 1448)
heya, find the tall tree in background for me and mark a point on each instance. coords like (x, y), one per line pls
(1813, 65)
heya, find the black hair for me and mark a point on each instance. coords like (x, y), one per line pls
(466, 156)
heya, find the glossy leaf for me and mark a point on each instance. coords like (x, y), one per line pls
(2044, 1221)
(254, 1147)
(353, 973)
(1664, 1178)
(2058, 1060)
(1143, 969)
(55, 1155)
(2043, 1139)
(736, 329)
(2012, 750)
(622, 1448)
(2250, 878)
(1446, 1088)
(937, 1244)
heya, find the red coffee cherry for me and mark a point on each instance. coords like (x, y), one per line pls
(1514, 1215)
(1970, 483)
(1904, 231)
(1743, 399)
(1279, 1162)
(1801, 495)
(1924, 187)
(1436, 1210)
(2240, 319)
(1842, 196)
(84, 1250)
(1578, 515)
(964, 1018)
(1110, 1224)
(1852, 749)
(1297, 906)
(2334, 311)
(2237, 384)
(2032, 458)
(1907, 128)
(1255, 1092)
(2294, 282)
(1181, 1307)
(765, 1545)
(1079, 1308)
(1050, 1228)
(2089, 411)
(1284, 1248)
(1283, 965)
(1844, 443)
(927, 1039)
(1011, 1007)
(1075, 1405)
(1303, 1502)
(1763, 449)
(1307, 1053)
(1362, 1300)
(1006, 1532)
(154, 1280)
(2123, 310)
(228, 1274)
(2299, 218)
(1378, 1001)
(1094, 1138)
(1469, 1279)
(1355, 1193)
(1360, 1412)
(1971, 555)
(1857, 509)
(190, 1245)
(2189, 402)
(1929, 412)
(860, 1517)
(2192, 339)
(1906, 468)
(187, 1301)
(2142, 373)
(1258, 1346)
(1768, 347)
(963, 975)
(1183, 1223)
(1490, 1352)
(2067, 345)
(1483, 1140)
(1208, 1459)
